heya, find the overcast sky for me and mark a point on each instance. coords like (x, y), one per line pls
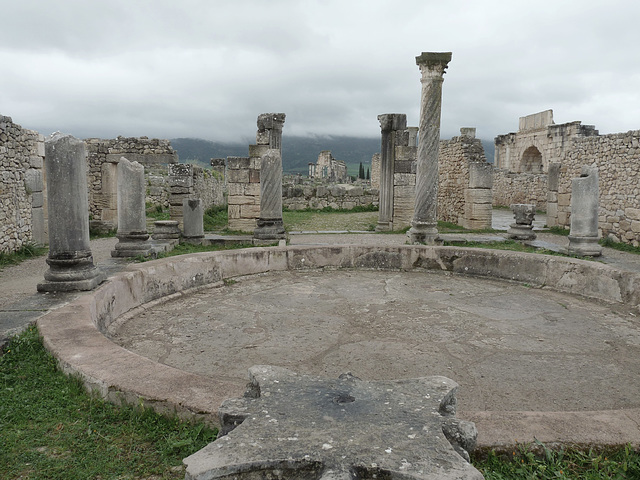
(196, 68)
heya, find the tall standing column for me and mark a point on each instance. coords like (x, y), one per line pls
(70, 261)
(133, 238)
(269, 225)
(390, 123)
(585, 201)
(424, 227)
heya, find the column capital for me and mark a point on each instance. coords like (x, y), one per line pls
(392, 121)
(268, 121)
(434, 63)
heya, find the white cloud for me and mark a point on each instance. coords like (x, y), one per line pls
(208, 68)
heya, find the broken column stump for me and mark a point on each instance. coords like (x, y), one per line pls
(298, 426)
(524, 215)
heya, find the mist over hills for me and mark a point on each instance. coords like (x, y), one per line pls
(297, 152)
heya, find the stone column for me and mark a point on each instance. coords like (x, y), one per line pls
(193, 220)
(269, 225)
(583, 237)
(424, 227)
(522, 229)
(552, 194)
(390, 123)
(70, 261)
(270, 130)
(133, 238)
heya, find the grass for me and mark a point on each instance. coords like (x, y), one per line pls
(216, 218)
(330, 219)
(623, 247)
(50, 428)
(157, 212)
(27, 251)
(540, 462)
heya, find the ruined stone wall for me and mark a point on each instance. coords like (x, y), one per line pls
(509, 187)
(454, 159)
(617, 157)
(537, 143)
(339, 196)
(21, 186)
(208, 186)
(243, 184)
(103, 156)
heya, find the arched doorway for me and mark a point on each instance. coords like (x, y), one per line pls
(531, 161)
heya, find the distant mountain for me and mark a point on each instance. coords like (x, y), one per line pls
(297, 152)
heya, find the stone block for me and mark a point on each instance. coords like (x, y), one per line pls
(258, 150)
(241, 200)
(480, 175)
(180, 181)
(180, 170)
(478, 195)
(33, 180)
(322, 191)
(233, 211)
(635, 226)
(179, 190)
(403, 166)
(632, 213)
(249, 211)
(553, 176)
(237, 163)
(251, 189)
(564, 199)
(37, 199)
(404, 180)
(254, 176)
(552, 197)
(552, 210)
(479, 211)
(36, 162)
(238, 176)
(262, 137)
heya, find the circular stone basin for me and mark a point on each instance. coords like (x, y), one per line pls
(509, 346)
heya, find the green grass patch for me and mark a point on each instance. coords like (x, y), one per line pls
(623, 247)
(314, 220)
(50, 428)
(540, 462)
(557, 230)
(27, 251)
(216, 218)
(157, 212)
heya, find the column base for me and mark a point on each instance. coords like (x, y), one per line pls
(422, 233)
(132, 245)
(521, 232)
(384, 227)
(269, 229)
(584, 246)
(71, 274)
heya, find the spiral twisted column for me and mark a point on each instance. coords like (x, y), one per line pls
(269, 225)
(424, 227)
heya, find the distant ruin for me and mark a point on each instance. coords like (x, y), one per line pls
(328, 168)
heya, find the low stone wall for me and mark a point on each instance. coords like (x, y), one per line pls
(73, 332)
(339, 196)
(22, 193)
(509, 187)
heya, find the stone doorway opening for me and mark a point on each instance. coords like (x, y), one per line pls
(531, 161)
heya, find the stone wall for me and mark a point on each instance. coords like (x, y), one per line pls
(617, 157)
(243, 184)
(537, 142)
(339, 196)
(103, 156)
(22, 193)
(509, 187)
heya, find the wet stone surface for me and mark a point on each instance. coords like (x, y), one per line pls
(509, 346)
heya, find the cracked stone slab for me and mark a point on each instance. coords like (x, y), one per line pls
(299, 426)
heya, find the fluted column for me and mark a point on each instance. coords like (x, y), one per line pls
(390, 123)
(424, 227)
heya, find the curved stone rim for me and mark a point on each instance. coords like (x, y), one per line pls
(73, 335)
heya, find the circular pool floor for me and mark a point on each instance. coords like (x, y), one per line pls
(509, 346)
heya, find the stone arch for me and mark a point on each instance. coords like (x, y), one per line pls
(531, 160)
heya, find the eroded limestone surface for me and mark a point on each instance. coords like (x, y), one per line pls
(509, 346)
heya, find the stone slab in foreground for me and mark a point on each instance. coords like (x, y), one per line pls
(298, 426)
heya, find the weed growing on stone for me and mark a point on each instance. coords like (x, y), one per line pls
(539, 462)
(27, 251)
(556, 230)
(216, 218)
(50, 428)
(623, 247)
